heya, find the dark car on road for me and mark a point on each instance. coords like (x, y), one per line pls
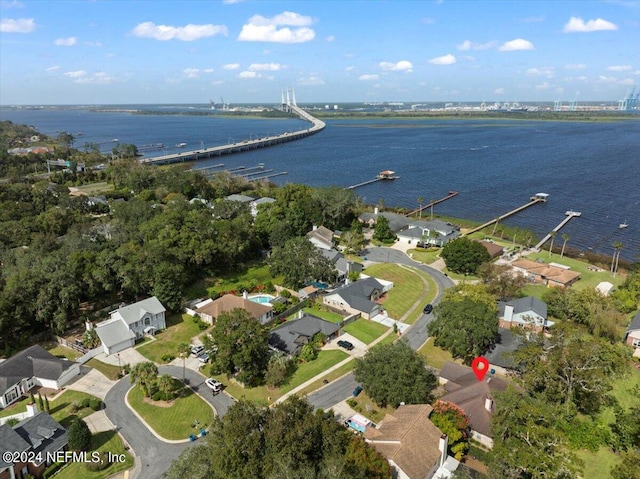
(345, 344)
(427, 309)
(357, 391)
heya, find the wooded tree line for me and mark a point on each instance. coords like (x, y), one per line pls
(59, 251)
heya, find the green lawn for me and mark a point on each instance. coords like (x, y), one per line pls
(588, 279)
(180, 329)
(365, 330)
(16, 407)
(95, 188)
(61, 407)
(107, 441)
(109, 370)
(598, 464)
(425, 256)
(326, 315)
(435, 356)
(407, 287)
(255, 275)
(60, 351)
(535, 290)
(176, 421)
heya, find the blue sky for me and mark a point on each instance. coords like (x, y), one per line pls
(106, 51)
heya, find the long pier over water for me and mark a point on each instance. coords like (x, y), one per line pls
(537, 198)
(246, 145)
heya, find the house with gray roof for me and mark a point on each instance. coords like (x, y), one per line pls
(34, 366)
(40, 436)
(528, 313)
(255, 204)
(499, 355)
(321, 237)
(240, 198)
(291, 336)
(129, 323)
(433, 232)
(396, 222)
(632, 336)
(342, 265)
(357, 297)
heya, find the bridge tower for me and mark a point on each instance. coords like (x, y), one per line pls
(557, 105)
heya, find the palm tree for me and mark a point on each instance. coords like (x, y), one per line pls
(495, 225)
(144, 374)
(183, 351)
(617, 246)
(553, 237)
(565, 237)
(435, 235)
(420, 200)
(431, 209)
(165, 383)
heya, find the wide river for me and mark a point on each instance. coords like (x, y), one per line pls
(495, 165)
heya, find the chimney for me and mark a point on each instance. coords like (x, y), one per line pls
(375, 210)
(314, 227)
(32, 409)
(508, 313)
(488, 403)
(443, 445)
(88, 325)
(245, 295)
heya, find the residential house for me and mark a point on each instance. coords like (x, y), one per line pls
(358, 297)
(632, 336)
(39, 437)
(129, 323)
(321, 237)
(227, 303)
(413, 445)
(255, 204)
(240, 198)
(549, 274)
(396, 222)
(432, 232)
(494, 250)
(34, 366)
(527, 313)
(342, 265)
(474, 397)
(292, 335)
(500, 354)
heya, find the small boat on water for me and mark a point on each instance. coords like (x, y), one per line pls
(387, 175)
(623, 225)
(181, 145)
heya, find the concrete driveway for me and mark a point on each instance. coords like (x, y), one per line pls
(359, 348)
(99, 422)
(128, 356)
(91, 381)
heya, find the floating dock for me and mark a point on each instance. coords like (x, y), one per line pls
(383, 175)
(537, 198)
(450, 195)
(570, 216)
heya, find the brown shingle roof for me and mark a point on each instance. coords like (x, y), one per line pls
(492, 248)
(409, 439)
(229, 302)
(547, 271)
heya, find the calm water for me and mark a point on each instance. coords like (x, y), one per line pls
(496, 165)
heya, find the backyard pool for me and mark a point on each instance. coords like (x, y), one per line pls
(262, 299)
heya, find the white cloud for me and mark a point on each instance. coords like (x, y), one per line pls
(265, 67)
(100, 78)
(575, 66)
(541, 71)
(469, 45)
(20, 25)
(208, 70)
(619, 68)
(191, 72)
(187, 33)
(349, 68)
(331, 38)
(247, 74)
(606, 79)
(517, 44)
(76, 74)
(230, 2)
(217, 82)
(448, 59)
(231, 66)
(310, 81)
(369, 77)
(53, 68)
(13, 4)
(263, 29)
(577, 24)
(66, 42)
(499, 91)
(543, 86)
(582, 78)
(401, 66)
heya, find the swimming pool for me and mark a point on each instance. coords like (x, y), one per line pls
(262, 299)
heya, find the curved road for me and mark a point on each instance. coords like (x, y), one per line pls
(416, 336)
(155, 456)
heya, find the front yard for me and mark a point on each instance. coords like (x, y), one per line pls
(365, 330)
(180, 329)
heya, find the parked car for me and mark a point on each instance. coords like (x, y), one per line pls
(196, 350)
(427, 309)
(357, 391)
(203, 357)
(345, 344)
(214, 385)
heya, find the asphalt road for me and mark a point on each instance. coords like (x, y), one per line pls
(155, 455)
(416, 336)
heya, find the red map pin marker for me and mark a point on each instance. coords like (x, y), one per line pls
(480, 367)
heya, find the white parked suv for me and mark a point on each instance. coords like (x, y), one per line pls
(196, 350)
(214, 385)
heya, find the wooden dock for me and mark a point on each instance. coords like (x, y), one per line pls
(538, 198)
(450, 195)
(570, 216)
